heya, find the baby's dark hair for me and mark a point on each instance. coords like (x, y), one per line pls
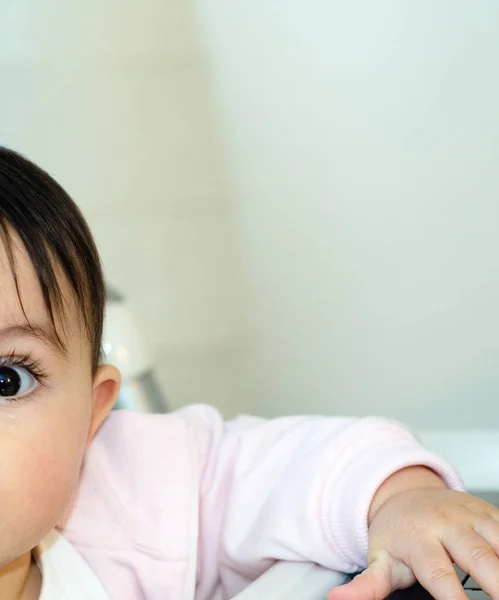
(56, 237)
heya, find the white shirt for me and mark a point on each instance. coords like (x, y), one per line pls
(65, 575)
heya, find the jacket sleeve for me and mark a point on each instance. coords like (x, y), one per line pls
(293, 489)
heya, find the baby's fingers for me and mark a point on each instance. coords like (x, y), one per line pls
(383, 576)
(476, 554)
(434, 570)
(489, 530)
(375, 583)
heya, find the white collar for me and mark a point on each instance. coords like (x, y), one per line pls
(65, 574)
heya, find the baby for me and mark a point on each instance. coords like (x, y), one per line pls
(98, 505)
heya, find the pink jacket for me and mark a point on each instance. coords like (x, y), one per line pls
(183, 505)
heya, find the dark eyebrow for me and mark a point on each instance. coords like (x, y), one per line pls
(46, 335)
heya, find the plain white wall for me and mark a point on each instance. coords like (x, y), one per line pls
(363, 141)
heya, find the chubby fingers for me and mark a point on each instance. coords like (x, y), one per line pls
(433, 568)
(475, 550)
(373, 584)
(378, 581)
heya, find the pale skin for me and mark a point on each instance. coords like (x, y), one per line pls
(45, 431)
(415, 523)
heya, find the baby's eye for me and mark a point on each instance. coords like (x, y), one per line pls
(15, 381)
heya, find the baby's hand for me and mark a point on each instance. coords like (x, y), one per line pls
(417, 534)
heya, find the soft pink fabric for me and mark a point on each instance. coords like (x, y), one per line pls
(184, 506)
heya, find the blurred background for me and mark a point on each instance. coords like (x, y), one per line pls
(299, 200)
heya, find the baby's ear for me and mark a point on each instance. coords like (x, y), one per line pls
(105, 392)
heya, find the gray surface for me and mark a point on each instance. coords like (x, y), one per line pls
(489, 496)
(290, 581)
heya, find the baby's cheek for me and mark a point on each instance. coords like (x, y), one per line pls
(36, 484)
(51, 473)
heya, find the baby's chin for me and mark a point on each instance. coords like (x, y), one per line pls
(10, 557)
(16, 543)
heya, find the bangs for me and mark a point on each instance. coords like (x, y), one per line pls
(57, 239)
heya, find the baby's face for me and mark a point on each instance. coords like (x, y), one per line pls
(49, 408)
